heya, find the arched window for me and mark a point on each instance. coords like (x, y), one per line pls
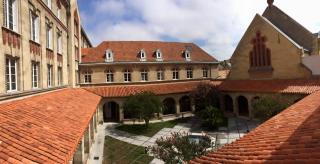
(143, 56)
(187, 55)
(159, 55)
(260, 55)
(109, 56)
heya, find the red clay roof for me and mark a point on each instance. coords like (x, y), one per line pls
(127, 51)
(290, 137)
(272, 86)
(158, 89)
(45, 128)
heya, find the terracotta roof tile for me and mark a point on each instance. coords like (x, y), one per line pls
(290, 137)
(127, 51)
(273, 86)
(45, 128)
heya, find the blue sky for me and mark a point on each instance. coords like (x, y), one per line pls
(215, 25)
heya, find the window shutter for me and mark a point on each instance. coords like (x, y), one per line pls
(4, 13)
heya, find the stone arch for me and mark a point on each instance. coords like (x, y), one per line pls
(228, 101)
(169, 106)
(243, 106)
(111, 112)
(185, 104)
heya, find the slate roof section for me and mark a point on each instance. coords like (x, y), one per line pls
(271, 86)
(290, 137)
(45, 128)
(290, 27)
(128, 51)
(158, 89)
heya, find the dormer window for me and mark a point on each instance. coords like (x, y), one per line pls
(109, 56)
(143, 56)
(187, 55)
(159, 55)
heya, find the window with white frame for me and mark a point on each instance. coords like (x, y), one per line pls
(11, 74)
(205, 72)
(187, 55)
(35, 75)
(109, 76)
(143, 55)
(59, 13)
(189, 73)
(87, 77)
(175, 74)
(160, 74)
(109, 56)
(59, 42)
(60, 76)
(49, 76)
(34, 26)
(11, 14)
(144, 75)
(127, 75)
(159, 55)
(49, 36)
(49, 3)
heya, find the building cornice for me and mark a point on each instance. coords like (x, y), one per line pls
(127, 62)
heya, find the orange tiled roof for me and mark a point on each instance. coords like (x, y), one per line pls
(45, 128)
(159, 89)
(290, 137)
(272, 86)
(127, 51)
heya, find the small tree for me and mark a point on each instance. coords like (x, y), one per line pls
(179, 148)
(212, 117)
(205, 95)
(143, 106)
(266, 107)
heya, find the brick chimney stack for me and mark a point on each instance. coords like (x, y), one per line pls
(270, 2)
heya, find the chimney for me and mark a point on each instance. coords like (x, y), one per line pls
(270, 2)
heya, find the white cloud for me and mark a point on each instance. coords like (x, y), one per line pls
(219, 24)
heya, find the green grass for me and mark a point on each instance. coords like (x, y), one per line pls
(118, 152)
(152, 129)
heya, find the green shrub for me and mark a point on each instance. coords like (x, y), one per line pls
(205, 95)
(213, 118)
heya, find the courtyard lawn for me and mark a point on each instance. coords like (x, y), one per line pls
(116, 151)
(153, 127)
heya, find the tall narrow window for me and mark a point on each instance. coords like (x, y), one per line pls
(127, 75)
(175, 74)
(187, 55)
(34, 27)
(49, 36)
(158, 55)
(11, 74)
(60, 76)
(59, 13)
(109, 76)
(49, 3)
(205, 72)
(144, 75)
(160, 74)
(76, 51)
(189, 73)
(87, 77)
(109, 56)
(260, 56)
(49, 76)
(59, 42)
(35, 75)
(143, 56)
(10, 14)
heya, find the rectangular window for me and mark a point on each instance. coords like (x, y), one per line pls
(160, 75)
(127, 76)
(10, 14)
(59, 42)
(175, 74)
(144, 75)
(49, 36)
(11, 74)
(109, 76)
(49, 3)
(87, 77)
(34, 27)
(59, 13)
(60, 76)
(189, 73)
(76, 51)
(35, 75)
(205, 72)
(49, 76)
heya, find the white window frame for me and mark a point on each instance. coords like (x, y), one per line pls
(34, 27)
(11, 18)
(144, 75)
(159, 55)
(12, 63)
(59, 42)
(160, 75)
(127, 76)
(143, 55)
(205, 72)
(109, 76)
(87, 77)
(60, 76)
(49, 37)
(35, 75)
(59, 13)
(49, 76)
(189, 73)
(175, 74)
(49, 4)
(187, 55)
(109, 56)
